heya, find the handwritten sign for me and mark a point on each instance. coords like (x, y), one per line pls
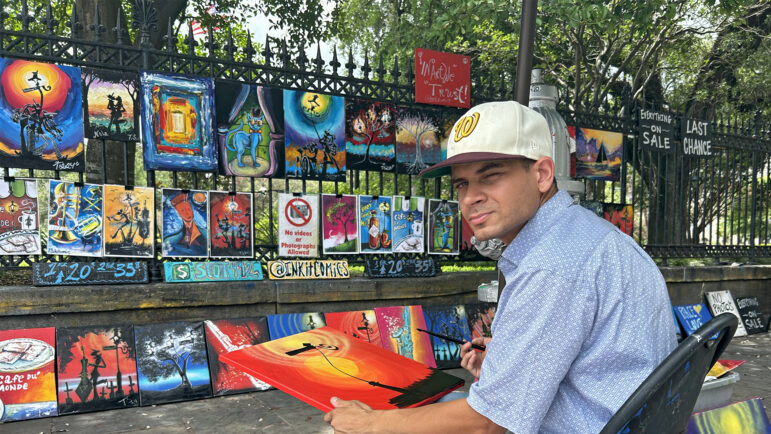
(400, 267)
(88, 273)
(308, 269)
(692, 316)
(214, 271)
(442, 78)
(749, 310)
(697, 138)
(721, 302)
(656, 131)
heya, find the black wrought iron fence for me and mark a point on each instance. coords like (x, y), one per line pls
(683, 206)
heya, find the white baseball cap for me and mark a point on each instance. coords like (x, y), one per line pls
(494, 131)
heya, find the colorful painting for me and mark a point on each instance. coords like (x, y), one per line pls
(449, 321)
(178, 122)
(27, 377)
(622, 216)
(19, 228)
(250, 129)
(375, 224)
(399, 333)
(358, 324)
(316, 365)
(443, 227)
(338, 227)
(228, 335)
(692, 316)
(185, 232)
(97, 368)
(408, 215)
(721, 302)
(74, 219)
(231, 225)
(110, 105)
(314, 125)
(598, 154)
(370, 134)
(287, 324)
(419, 135)
(480, 318)
(742, 417)
(172, 363)
(298, 227)
(129, 218)
(41, 126)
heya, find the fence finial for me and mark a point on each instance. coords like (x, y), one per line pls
(145, 18)
(119, 31)
(74, 24)
(318, 60)
(97, 26)
(49, 20)
(395, 70)
(365, 70)
(350, 66)
(266, 53)
(334, 63)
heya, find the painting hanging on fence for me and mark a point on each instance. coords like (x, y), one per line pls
(595, 206)
(358, 324)
(314, 125)
(97, 368)
(27, 377)
(19, 227)
(250, 129)
(338, 226)
(129, 219)
(228, 335)
(408, 224)
(375, 224)
(74, 219)
(466, 233)
(449, 321)
(286, 324)
(110, 105)
(480, 317)
(298, 227)
(185, 233)
(177, 115)
(172, 364)
(418, 139)
(41, 126)
(231, 225)
(316, 365)
(399, 332)
(598, 154)
(622, 216)
(443, 227)
(370, 134)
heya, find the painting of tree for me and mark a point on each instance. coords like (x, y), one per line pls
(370, 133)
(339, 224)
(418, 142)
(172, 362)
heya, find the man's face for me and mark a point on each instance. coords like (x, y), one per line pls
(497, 198)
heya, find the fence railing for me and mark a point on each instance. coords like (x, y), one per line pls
(683, 207)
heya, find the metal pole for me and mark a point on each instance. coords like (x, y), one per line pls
(525, 54)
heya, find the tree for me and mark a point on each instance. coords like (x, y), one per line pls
(373, 123)
(341, 214)
(166, 350)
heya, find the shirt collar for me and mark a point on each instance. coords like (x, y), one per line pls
(536, 227)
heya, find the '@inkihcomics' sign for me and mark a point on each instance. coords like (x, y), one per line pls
(213, 271)
(442, 78)
(308, 269)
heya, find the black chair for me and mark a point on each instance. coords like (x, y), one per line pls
(664, 401)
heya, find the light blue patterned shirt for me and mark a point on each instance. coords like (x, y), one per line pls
(584, 317)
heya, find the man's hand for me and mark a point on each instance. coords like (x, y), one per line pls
(349, 416)
(471, 360)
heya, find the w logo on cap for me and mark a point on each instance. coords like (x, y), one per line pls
(465, 126)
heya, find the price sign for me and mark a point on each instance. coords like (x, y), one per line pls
(88, 273)
(400, 267)
(656, 131)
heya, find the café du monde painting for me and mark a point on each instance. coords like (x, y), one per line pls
(177, 122)
(19, 229)
(184, 230)
(129, 221)
(370, 133)
(41, 116)
(110, 105)
(74, 219)
(314, 125)
(598, 154)
(408, 224)
(250, 129)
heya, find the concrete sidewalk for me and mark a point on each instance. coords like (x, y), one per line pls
(276, 412)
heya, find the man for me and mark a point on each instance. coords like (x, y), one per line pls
(584, 316)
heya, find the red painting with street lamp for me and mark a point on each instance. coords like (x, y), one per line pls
(442, 78)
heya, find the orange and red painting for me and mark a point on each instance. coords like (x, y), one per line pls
(27, 378)
(399, 332)
(358, 324)
(223, 336)
(318, 364)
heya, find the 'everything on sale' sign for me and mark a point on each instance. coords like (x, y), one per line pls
(442, 78)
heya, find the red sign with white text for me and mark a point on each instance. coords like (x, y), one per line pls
(442, 78)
